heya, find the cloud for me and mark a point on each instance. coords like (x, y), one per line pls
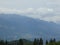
(29, 10)
(32, 11)
(5, 10)
(47, 14)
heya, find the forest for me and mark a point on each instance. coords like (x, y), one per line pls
(28, 42)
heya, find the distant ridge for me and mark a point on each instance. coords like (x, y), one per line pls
(13, 26)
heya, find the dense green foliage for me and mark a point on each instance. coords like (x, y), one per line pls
(27, 42)
(53, 42)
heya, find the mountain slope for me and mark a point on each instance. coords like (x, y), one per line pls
(14, 26)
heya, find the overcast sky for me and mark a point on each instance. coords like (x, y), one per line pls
(48, 10)
(22, 4)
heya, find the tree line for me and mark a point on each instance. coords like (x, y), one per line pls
(40, 42)
(35, 42)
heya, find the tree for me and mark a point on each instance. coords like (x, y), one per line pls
(54, 40)
(41, 41)
(46, 42)
(1, 42)
(35, 42)
(6, 42)
(21, 42)
(51, 40)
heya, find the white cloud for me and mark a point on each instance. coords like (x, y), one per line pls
(44, 10)
(9, 11)
(29, 10)
(55, 19)
(46, 14)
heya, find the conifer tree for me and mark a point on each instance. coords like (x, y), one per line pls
(46, 42)
(41, 41)
(51, 40)
(54, 40)
(35, 42)
(21, 42)
(6, 42)
(1, 42)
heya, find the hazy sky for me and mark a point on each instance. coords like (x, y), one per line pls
(22, 4)
(48, 10)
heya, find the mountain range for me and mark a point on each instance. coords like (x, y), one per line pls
(14, 26)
